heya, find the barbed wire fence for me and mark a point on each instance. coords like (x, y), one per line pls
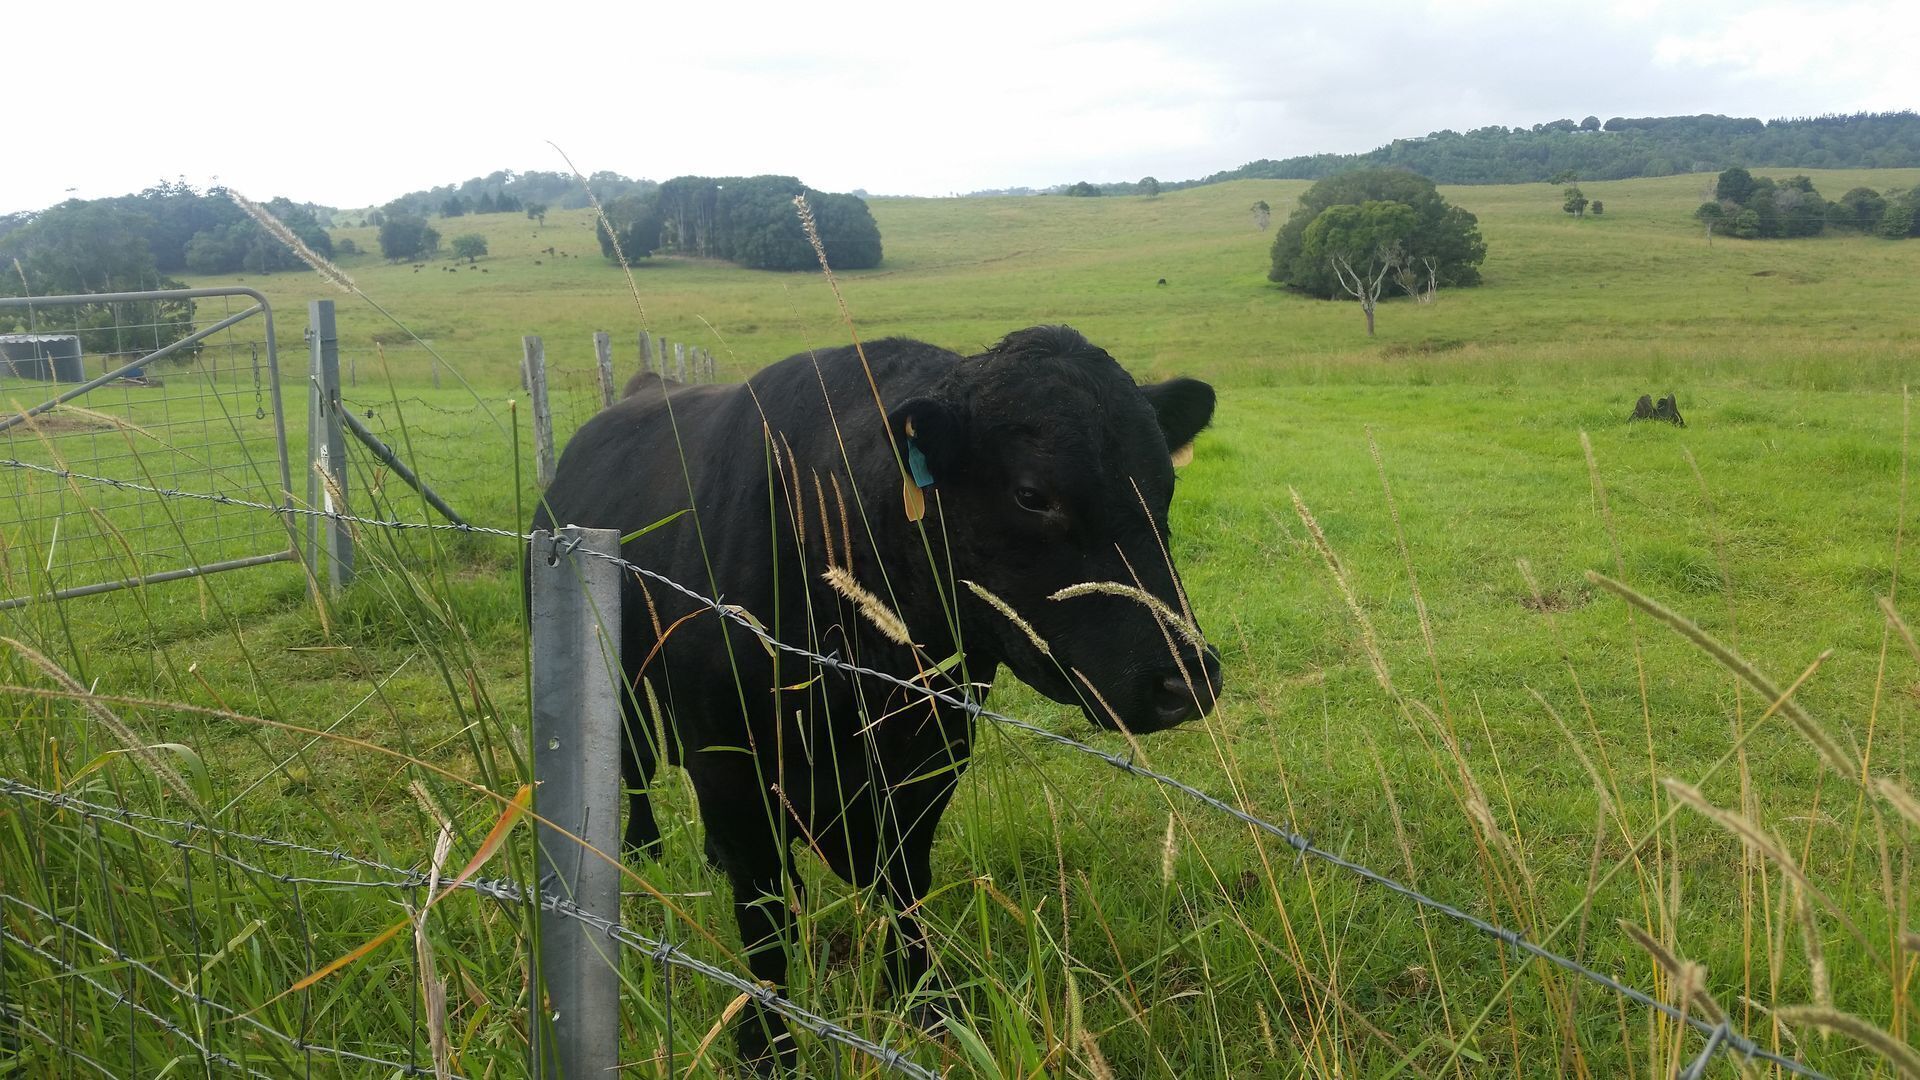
(1721, 1038)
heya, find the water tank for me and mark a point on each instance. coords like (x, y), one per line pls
(42, 357)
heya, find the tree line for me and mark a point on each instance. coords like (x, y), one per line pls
(1749, 207)
(179, 228)
(746, 220)
(507, 191)
(1618, 149)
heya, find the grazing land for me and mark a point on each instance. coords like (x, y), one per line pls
(1094, 925)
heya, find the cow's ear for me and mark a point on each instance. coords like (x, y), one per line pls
(931, 438)
(1184, 406)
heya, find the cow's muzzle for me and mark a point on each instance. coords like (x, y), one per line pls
(1187, 691)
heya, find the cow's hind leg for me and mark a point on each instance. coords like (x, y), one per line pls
(744, 840)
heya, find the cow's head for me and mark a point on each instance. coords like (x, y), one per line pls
(1054, 471)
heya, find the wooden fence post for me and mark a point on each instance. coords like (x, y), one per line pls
(534, 368)
(332, 551)
(603, 352)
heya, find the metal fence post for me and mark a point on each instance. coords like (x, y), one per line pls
(576, 753)
(603, 352)
(534, 367)
(327, 448)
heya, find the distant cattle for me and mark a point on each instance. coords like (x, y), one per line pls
(1005, 508)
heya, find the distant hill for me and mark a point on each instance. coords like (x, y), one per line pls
(1622, 149)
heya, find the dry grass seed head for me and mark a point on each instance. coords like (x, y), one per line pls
(1764, 843)
(876, 613)
(1006, 611)
(1186, 631)
(1904, 1059)
(143, 753)
(278, 229)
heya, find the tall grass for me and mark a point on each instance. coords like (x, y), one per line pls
(1556, 753)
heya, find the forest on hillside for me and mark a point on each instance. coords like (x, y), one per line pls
(1622, 148)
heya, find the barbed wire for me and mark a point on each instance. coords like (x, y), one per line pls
(193, 995)
(1721, 1035)
(20, 1023)
(501, 889)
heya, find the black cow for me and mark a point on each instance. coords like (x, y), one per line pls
(1038, 465)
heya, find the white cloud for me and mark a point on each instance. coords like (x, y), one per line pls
(357, 102)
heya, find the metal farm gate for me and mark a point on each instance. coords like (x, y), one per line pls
(174, 390)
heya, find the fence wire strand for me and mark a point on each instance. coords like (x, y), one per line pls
(402, 878)
(1720, 1037)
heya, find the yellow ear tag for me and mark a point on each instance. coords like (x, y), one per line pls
(1183, 456)
(916, 499)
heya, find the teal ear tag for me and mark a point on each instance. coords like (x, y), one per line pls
(917, 465)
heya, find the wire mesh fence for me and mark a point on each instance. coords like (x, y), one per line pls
(204, 412)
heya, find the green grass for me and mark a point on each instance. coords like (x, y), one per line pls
(1061, 910)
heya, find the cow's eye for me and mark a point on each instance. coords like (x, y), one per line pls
(1032, 500)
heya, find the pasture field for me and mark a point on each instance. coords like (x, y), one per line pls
(1451, 700)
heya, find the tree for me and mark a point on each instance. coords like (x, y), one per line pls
(469, 246)
(1735, 186)
(1862, 208)
(1710, 214)
(537, 211)
(1598, 208)
(1149, 186)
(1591, 123)
(1262, 215)
(346, 246)
(1083, 190)
(93, 247)
(636, 221)
(454, 206)
(752, 221)
(407, 236)
(1564, 176)
(1445, 233)
(1576, 203)
(1361, 244)
(1899, 221)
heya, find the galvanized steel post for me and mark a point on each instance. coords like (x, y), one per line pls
(577, 683)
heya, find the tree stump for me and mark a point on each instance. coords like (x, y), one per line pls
(1668, 409)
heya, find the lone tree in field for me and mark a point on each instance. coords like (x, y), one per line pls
(1361, 245)
(1576, 203)
(1598, 208)
(469, 246)
(1445, 234)
(1149, 186)
(1262, 215)
(537, 211)
(1710, 214)
(407, 236)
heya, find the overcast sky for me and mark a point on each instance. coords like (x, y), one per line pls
(350, 104)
